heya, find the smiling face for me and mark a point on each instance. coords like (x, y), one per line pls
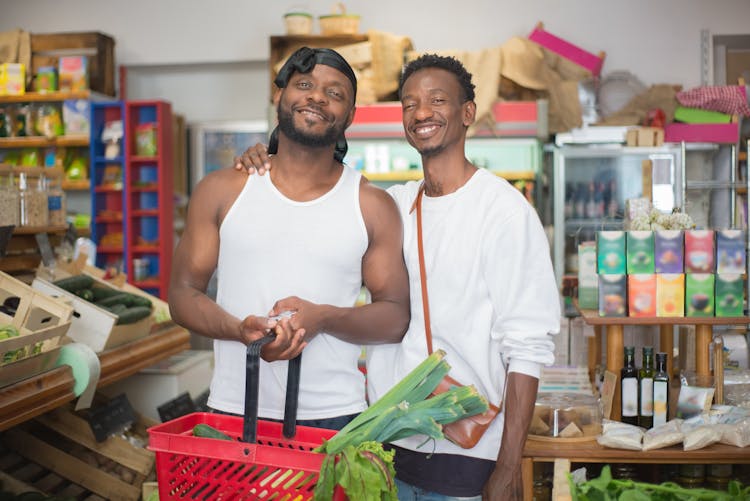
(435, 112)
(315, 108)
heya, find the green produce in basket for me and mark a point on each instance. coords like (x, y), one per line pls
(355, 458)
(9, 331)
(86, 294)
(206, 431)
(133, 314)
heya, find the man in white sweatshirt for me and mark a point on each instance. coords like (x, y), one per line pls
(303, 239)
(492, 296)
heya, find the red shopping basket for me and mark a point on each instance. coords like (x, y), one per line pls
(275, 467)
(266, 460)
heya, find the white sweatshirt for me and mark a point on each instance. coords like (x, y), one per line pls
(492, 295)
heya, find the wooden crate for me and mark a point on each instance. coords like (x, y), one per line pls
(58, 455)
(99, 48)
(42, 321)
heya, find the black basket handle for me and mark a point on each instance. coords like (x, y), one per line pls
(252, 380)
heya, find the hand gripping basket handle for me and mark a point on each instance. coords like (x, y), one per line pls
(252, 379)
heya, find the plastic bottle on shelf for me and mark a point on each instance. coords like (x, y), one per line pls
(9, 209)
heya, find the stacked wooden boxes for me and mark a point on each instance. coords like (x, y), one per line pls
(46, 48)
(41, 322)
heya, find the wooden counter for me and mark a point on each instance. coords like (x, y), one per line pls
(612, 329)
(591, 452)
(37, 395)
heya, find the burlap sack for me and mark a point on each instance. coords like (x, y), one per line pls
(635, 111)
(388, 54)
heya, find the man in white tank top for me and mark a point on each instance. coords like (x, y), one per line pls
(303, 239)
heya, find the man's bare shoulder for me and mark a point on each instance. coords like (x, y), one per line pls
(377, 205)
(374, 194)
(221, 183)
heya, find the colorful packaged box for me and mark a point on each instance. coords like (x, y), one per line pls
(76, 113)
(642, 295)
(45, 79)
(613, 295)
(73, 73)
(730, 251)
(669, 255)
(610, 252)
(640, 252)
(588, 282)
(730, 295)
(670, 295)
(699, 251)
(145, 140)
(699, 295)
(12, 79)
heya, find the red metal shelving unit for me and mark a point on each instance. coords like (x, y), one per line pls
(149, 193)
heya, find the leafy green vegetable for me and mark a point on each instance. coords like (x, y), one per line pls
(605, 488)
(365, 472)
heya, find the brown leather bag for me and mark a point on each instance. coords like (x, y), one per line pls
(468, 431)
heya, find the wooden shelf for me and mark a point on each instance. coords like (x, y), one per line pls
(34, 396)
(77, 185)
(592, 317)
(591, 452)
(33, 230)
(37, 97)
(43, 142)
(52, 172)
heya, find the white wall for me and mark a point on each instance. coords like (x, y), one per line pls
(657, 40)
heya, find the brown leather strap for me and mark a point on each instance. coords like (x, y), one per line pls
(422, 272)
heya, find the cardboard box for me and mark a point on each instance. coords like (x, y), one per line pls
(699, 295)
(670, 295)
(642, 295)
(730, 295)
(644, 136)
(669, 251)
(12, 79)
(640, 252)
(189, 371)
(95, 326)
(610, 252)
(613, 299)
(699, 251)
(73, 73)
(588, 281)
(42, 322)
(76, 113)
(730, 251)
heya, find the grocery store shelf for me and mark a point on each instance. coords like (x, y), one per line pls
(31, 171)
(76, 185)
(33, 230)
(43, 142)
(36, 97)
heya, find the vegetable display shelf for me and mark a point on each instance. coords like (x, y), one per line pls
(613, 329)
(37, 395)
(591, 452)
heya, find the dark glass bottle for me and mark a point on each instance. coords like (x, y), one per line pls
(661, 390)
(646, 389)
(629, 388)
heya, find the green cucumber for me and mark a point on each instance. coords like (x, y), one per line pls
(74, 283)
(133, 314)
(116, 308)
(205, 431)
(86, 294)
(104, 292)
(125, 298)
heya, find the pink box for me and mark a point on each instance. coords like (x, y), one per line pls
(702, 133)
(699, 251)
(581, 57)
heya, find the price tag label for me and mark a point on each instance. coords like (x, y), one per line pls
(178, 406)
(111, 418)
(48, 255)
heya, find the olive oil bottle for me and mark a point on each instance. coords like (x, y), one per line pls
(629, 388)
(661, 390)
(646, 389)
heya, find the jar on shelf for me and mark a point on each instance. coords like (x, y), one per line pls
(718, 476)
(691, 476)
(9, 205)
(56, 203)
(32, 201)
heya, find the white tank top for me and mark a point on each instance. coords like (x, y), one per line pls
(272, 247)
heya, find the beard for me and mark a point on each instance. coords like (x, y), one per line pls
(431, 151)
(329, 137)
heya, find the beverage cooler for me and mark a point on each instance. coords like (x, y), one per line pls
(591, 184)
